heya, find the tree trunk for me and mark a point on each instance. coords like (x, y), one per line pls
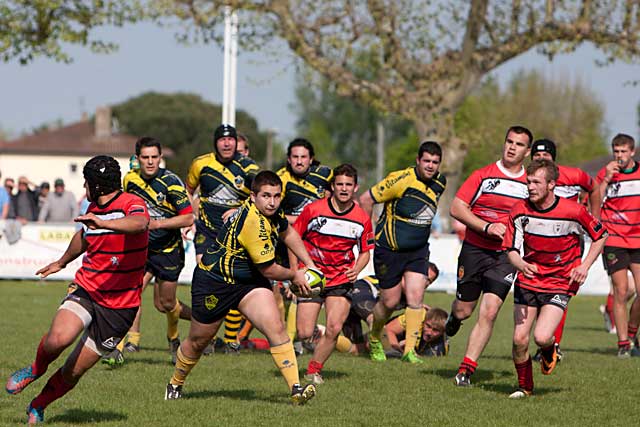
(440, 128)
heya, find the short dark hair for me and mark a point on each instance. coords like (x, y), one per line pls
(623, 139)
(147, 141)
(520, 130)
(551, 170)
(345, 169)
(265, 178)
(430, 147)
(301, 142)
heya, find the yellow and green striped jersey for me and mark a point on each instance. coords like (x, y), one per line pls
(409, 207)
(247, 240)
(222, 186)
(165, 197)
(298, 192)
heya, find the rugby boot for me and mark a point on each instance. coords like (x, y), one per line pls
(20, 379)
(301, 395)
(376, 351)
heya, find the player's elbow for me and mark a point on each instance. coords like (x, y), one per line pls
(456, 209)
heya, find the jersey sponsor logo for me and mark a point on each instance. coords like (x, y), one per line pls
(336, 227)
(552, 227)
(624, 188)
(210, 301)
(238, 182)
(391, 182)
(222, 196)
(492, 185)
(423, 217)
(266, 250)
(316, 224)
(262, 229)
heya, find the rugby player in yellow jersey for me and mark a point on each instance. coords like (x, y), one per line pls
(224, 179)
(170, 210)
(234, 273)
(410, 198)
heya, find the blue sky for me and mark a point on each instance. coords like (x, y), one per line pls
(149, 58)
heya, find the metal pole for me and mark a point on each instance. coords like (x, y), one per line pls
(233, 69)
(227, 68)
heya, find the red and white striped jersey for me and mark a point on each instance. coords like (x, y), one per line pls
(113, 265)
(330, 236)
(551, 240)
(621, 208)
(491, 193)
(571, 182)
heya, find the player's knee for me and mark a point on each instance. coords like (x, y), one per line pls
(543, 339)
(520, 342)
(462, 312)
(333, 330)
(167, 304)
(55, 342)
(158, 305)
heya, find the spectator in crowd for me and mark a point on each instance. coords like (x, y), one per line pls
(43, 192)
(24, 204)
(59, 206)
(9, 183)
(4, 202)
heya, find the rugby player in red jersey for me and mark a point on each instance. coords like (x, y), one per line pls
(330, 229)
(570, 183)
(482, 204)
(105, 301)
(619, 185)
(551, 270)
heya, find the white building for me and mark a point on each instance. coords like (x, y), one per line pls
(62, 152)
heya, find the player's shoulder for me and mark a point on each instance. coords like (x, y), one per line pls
(203, 160)
(170, 178)
(402, 174)
(322, 170)
(282, 172)
(244, 161)
(129, 177)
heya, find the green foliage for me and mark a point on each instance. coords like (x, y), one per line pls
(568, 113)
(590, 387)
(33, 28)
(183, 122)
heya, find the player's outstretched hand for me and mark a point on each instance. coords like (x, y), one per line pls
(90, 220)
(52, 268)
(301, 282)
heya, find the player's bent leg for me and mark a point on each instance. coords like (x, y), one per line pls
(524, 317)
(63, 380)
(306, 318)
(68, 322)
(337, 308)
(414, 286)
(548, 320)
(380, 316)
(481, 333)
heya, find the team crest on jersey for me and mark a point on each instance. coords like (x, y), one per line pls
(210, 301)
(557, 228)
(200, 239)
(160, 198)
(321, 192)
(239, 182)
(460, 272)
(114, 260)
(493, 184)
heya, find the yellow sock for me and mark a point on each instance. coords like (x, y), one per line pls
(120, 345)
(343, 345)
(184, 365)
(285, 359)
(134, 338)
(376, 329)
(232, 325)
(172, 321)
(291, 320)
(413, 318)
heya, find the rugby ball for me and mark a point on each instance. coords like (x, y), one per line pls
(316, 281)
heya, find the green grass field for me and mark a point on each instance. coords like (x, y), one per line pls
(590, 387)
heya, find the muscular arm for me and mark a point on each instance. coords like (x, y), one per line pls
(393, 329)
(525, 268)
(132, 224)
(178, 221)
(579, 274)
(361, 262)
(292, 239)
(77, 246)
(461, 211)
(595, 201)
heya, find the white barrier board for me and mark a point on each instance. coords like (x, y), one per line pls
(40, 244)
